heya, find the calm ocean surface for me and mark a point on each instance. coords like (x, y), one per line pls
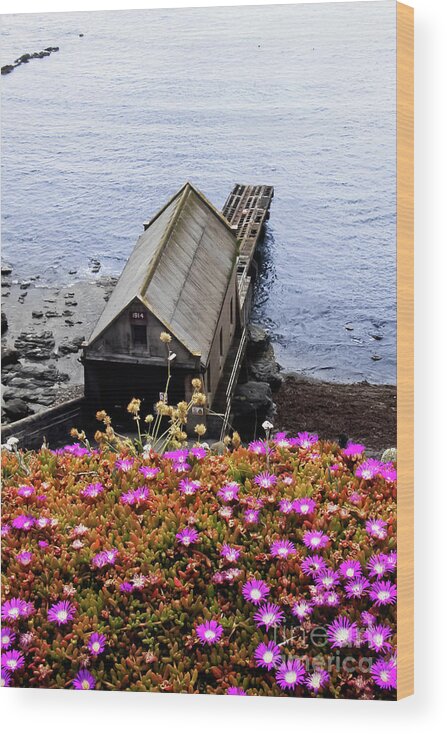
(97, 136)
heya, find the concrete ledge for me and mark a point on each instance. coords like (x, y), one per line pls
(53, 425)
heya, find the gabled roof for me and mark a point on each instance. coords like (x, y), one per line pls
(180, 269)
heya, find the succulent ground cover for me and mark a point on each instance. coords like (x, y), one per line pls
(268, 570)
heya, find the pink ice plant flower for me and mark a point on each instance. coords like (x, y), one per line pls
(235, 691)
(24, 558)
(302, 609)
(187, 536)
(376, 527)
(12, 660)
(267, 656)
(230, 553)
(305, 440)
(383, 592)
(199, 452)
(5, 678)
(61, 613)
(388, 472)
(384, 673)
(15, 608)
(367, 618)
(327, 578)
(369, 469)
(268, 615)
(342, 632)
(350, 569)
(209, 632)
(290, 674)
(96, 643)
(315, 539)
(105, 558)
(265, 480)
(135, 496)
(378, 565)
(84, 681)
(92, 490)
(23, 522)
(251, 517)
(258, 447)
(357, 588)
(149, 472)
(331, 599)
(376, 636)
(304, 506)
(229, 492)
(281, 441)
(25, 491)
(316, 680)
(285, 506)
(189, 486)
(353, 450)
(255, 591)
(312, 565)
(124, 464)
(8, 637)
(282, 548)
(76, 449)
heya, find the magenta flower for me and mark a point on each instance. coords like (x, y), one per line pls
(267, 656)
(312, 565)
(269, 615)
(353, 450)
(376, 636)
(251, 517)
(282, 548)
(187, 536)
(96, 643)
(388, 472)
(383, 592)
(302, 609)
(255, 591)
(342, 632)
(7, 637)
(25, 558)
(5, 678)
(281, 440)
(356, 588)
(290, 674)
(305, 440)
(23, 522)
(367, 618)
(230, 553)
(377, 528)
(126, 587)
(209, 632)
(84, 681)
(229, 492)
(265, 480)
(149, 472)
(350, 569)
(369, 469)
(235, 691)
(198, 452)
(327, 578)
(76, 449)
(179, 456)
(61, 613)
(304, 506)
(124, 464)
(378, 565)
(257, 447)
(391, 560)
(92, 490)
(181, 467)
(12, 660)
(188, 486)
(316, 680)
(104, 558)
(13, 609)
(315, 539)
(135, 496)
(25, 491)
(384, 673)
(285, 506)
(331, 599)
(5, 530)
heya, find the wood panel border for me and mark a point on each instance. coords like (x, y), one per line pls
(405, 349)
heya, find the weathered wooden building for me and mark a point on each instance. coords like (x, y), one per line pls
(180, 278)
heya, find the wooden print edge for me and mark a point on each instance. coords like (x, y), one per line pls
(405, 349)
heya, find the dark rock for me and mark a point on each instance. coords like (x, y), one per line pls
(81, 35)
(4, 322)
(252, 397)
(258, 339)
(265, 368)
(35, 346)
(52, 49)
(24, 285)
(71, 303)
(16, 409)
(8, 68)
(69, 322)
(6, 269)
(9, 356)
(37, 314)
(376, 358)
(52, 314)
(72, 346)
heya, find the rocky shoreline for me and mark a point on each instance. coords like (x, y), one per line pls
(26, 58)
(42, 332)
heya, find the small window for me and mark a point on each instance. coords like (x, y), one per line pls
(221, 342)
(139, 336)
(231, 312)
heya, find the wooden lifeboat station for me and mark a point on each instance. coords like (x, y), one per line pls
(189, 275)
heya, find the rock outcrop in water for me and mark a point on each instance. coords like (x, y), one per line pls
(26, 58)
